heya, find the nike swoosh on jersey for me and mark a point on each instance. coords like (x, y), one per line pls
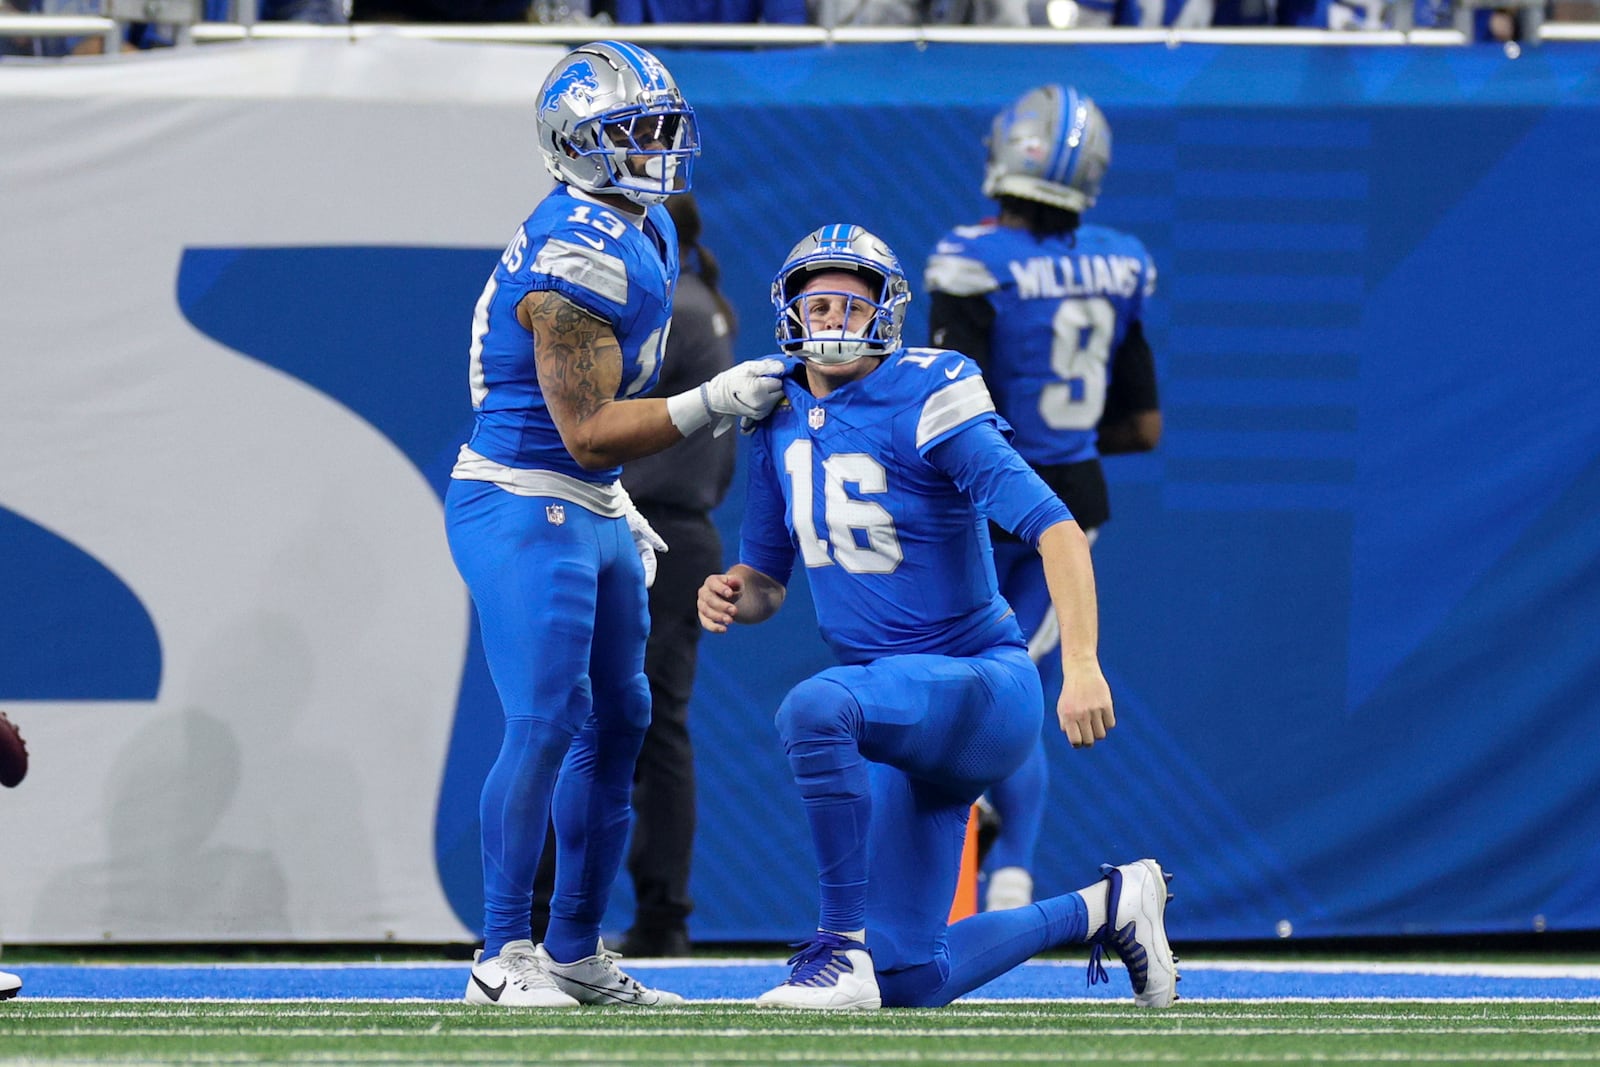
(593, 242)
(492, 992)
(953, 372)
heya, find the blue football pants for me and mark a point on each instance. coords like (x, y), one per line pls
(1020, 797)
(562, 607)
(889, 757)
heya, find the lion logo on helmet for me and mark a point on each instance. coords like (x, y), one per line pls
(578, 80)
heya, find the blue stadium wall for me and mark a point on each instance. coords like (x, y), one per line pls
(1350, 607)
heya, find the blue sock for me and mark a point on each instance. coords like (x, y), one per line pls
(592, 813)
(816, 721)
(515, 808)
(1020, 801)
(839, 809)
(1021, 797)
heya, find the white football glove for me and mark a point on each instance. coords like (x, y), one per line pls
(746, 392)
(645, 539)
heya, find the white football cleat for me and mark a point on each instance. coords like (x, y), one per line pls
(9, 984)
(831, 973)
(598, 980)
(514, 979)
(1136, 932)
(1009, 887)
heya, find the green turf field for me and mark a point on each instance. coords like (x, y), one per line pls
(1466, 1032)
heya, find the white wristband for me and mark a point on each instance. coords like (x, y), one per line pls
(689, 410)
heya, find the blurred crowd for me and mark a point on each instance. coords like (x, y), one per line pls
(1505, 20)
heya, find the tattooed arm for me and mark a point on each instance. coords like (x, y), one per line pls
(580, 368)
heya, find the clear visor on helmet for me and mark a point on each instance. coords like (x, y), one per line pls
(649, 150)
(830, 326)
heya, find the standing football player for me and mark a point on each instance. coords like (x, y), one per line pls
(877, 472)
(1052, 311)
(570, 326)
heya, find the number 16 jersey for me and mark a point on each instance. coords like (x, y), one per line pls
(897, 555)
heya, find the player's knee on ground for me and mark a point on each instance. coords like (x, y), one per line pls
(922, 986)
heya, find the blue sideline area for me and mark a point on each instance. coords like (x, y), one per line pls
(744, 980)
(1366, 543)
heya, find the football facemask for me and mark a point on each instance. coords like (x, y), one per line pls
(840, 247)
(611, 120)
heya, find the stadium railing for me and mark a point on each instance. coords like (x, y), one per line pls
(184, 17)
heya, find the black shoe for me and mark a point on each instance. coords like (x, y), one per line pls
(636, 943)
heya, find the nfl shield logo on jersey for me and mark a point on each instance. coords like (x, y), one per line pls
(556, 513)
(816, 418)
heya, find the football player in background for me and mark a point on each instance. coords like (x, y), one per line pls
(877, 471)
(570, 326)
(1051, 310)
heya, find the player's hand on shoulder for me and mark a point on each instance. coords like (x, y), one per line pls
(718, 601)
(1085, 709)
(746, 391)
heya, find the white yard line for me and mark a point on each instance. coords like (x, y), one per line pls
(1485, 970)
(1186, 1003)
(1480, 970)
(625, 1032)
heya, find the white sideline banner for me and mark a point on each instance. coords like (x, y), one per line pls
(283, 784)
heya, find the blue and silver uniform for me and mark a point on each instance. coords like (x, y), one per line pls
(1062, 306)
(599, 259)
(880, 490)
(547, 555)
(897, 556)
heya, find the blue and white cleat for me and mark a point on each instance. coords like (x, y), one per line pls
(9, 985)
(831, 973)
(1136, 932)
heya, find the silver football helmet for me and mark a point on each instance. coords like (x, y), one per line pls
(611, 120)
(1053, 146)
(848, 248)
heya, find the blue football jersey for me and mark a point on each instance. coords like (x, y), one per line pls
(1062, 306)
(897, 556)
(605, 263)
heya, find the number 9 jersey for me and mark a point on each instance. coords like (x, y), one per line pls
(1062, 307)
(895, 547)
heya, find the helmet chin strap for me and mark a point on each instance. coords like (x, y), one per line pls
(660, 171)
(826, 364)
(661, 168)
(832, 348)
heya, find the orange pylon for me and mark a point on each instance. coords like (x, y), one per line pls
(966, 899)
